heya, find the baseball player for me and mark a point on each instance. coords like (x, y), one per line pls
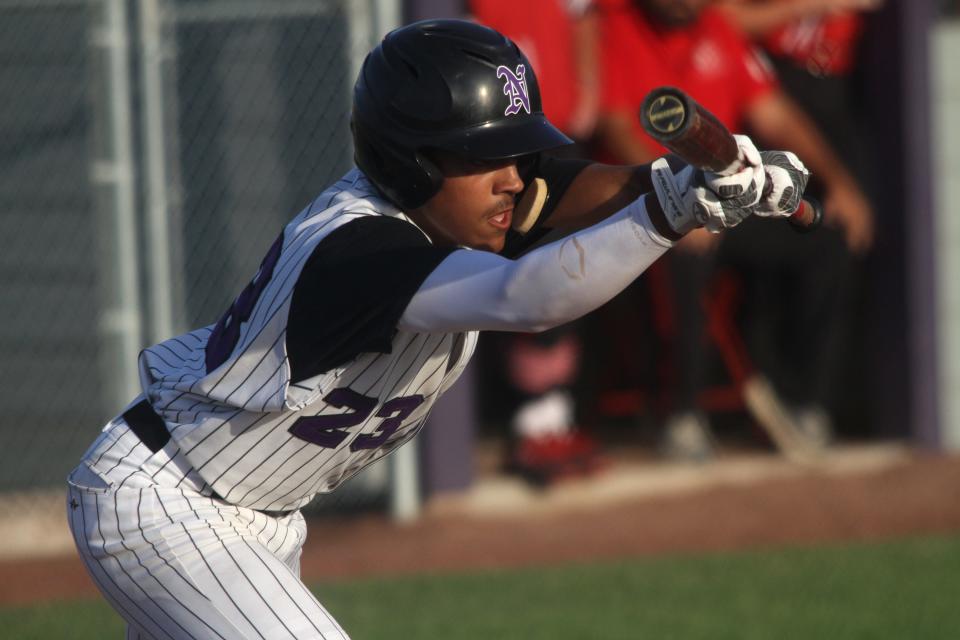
(364, 310)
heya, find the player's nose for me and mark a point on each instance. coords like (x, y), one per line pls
(508, 179)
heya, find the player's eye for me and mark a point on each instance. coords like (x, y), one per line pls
(479, 164)
(454, 164)
(482, 165)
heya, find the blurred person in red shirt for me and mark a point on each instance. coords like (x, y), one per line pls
(559, 39)
(694, 46)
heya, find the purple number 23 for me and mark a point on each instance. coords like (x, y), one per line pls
(330, 431)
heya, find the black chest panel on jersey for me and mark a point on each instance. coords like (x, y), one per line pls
(352, 291)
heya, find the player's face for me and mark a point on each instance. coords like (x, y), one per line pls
(474, 207)
(674, 13)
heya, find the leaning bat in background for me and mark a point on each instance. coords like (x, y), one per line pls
(679, 123)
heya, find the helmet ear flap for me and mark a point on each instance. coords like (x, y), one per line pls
(431, 169)
(406, 184)
(423, 184)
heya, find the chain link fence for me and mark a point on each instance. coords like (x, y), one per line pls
(150, 151)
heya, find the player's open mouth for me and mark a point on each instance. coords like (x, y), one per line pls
(502, 220)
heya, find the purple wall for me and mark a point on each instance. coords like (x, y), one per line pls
(917, 17)
(900, 322)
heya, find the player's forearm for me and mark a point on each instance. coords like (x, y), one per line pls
(598, 192)
(601, 190)
(547, 287)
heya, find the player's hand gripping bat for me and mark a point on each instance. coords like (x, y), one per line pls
(680, 124)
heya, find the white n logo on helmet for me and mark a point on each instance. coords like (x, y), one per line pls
(515, 87)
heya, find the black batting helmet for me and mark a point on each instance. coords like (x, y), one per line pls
(443, 84)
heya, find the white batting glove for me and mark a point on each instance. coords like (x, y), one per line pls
(786, 180)
(694, 198)
(742, 179)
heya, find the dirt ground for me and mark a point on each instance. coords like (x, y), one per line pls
(737, 504)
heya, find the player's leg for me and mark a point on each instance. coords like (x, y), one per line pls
(155, 598)
(176, 565)
(258, 559)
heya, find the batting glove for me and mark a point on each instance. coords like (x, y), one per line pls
(694, 198)
(786, 180)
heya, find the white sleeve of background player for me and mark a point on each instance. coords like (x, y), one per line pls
(547, 287)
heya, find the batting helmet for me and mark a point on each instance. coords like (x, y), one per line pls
(443, 84)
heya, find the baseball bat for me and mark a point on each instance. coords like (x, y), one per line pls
(686, 128)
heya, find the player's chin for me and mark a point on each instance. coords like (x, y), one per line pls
(493, 243)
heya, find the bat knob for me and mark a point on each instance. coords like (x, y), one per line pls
(665, 113)
(808, 217)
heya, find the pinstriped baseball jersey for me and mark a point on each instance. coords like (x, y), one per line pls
(268, 419)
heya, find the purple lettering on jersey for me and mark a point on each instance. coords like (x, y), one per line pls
(329, 431)
(395, 411)
(225, 336)
(515, 88)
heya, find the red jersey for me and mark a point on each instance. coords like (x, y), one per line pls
(543, 29)
(823, 45)
(709, 59)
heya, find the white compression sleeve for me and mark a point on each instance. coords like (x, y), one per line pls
(551, 285)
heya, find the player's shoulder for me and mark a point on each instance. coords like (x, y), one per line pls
(373, 232)
(357, 223)
(352, 193)
(352, 208)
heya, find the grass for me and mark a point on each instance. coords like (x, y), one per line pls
(904, 589)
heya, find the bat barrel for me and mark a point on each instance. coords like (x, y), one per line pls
(676, 121)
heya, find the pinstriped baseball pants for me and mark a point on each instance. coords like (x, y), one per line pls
(175, 563)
